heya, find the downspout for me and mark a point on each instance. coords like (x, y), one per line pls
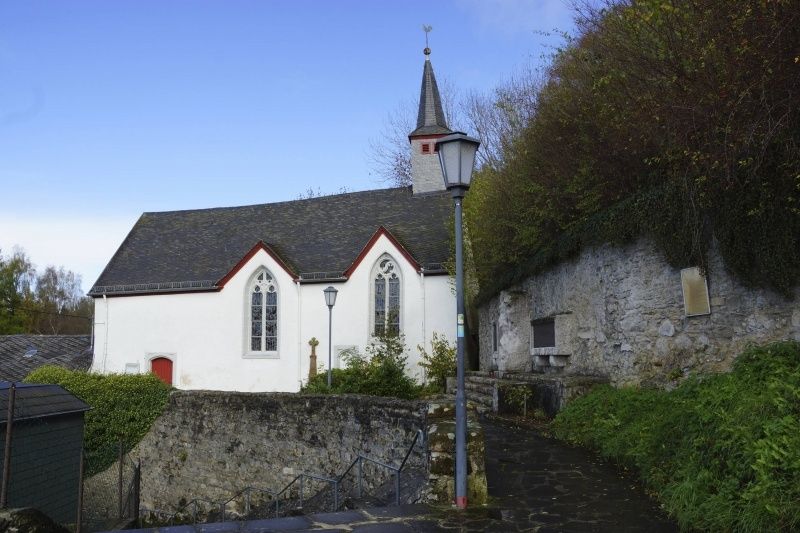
(424, 314)
(105, 338)
(91, 345)
(299, 335)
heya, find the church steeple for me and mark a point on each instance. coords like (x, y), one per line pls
(426, 174)
(430, 117)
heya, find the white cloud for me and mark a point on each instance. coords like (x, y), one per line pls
(83, 245)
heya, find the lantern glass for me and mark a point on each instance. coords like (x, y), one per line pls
(330, 296)
(457, 158)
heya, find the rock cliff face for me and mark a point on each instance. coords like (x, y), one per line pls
(213, 444)
(619, 312)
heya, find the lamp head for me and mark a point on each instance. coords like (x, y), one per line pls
(457, 158)
(330, 296)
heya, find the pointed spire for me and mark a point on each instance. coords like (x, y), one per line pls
(430, 118)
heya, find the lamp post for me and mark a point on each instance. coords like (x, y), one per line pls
(457, 158)
(330, 300)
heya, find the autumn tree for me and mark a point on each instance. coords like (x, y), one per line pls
(676, 120)
(50, 302)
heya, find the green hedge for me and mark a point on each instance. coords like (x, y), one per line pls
(123, 407)
(722, 452)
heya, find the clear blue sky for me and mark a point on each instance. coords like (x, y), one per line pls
(112, 108)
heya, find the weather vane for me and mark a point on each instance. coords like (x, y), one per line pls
(427, 29)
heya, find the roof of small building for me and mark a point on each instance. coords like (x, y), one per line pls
(316, 238)
(38, 401)
(20, 354)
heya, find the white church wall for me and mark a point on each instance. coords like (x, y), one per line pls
(205, 334)
(202, 333)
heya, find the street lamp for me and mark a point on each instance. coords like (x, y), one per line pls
(330, 301)
(457, 158)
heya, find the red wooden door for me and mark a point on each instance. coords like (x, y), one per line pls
(162, 367)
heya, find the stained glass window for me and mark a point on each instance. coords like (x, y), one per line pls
(263, 314)
(386, 318)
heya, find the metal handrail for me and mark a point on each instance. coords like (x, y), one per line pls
(396, 469)
(300, 477)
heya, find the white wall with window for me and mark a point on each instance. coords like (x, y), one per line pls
(210, 333)
(253, 334)
(424, 304)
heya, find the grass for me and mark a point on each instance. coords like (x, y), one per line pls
(721, 452)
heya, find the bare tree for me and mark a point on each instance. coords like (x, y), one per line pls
(58, 292)
(495, 117)
(499, 116)
(390, 153)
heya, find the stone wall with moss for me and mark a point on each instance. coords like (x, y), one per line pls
(441, 446)
(619, 312)
(213, 444)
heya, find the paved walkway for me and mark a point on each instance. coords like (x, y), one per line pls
(540, 484)
(535, 483)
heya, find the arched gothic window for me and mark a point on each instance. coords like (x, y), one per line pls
(263, 294)
(386, 298)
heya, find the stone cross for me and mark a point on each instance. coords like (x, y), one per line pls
(312, 368)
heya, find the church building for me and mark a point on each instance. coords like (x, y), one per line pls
(228, 298)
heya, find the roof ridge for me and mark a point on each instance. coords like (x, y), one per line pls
(282, 202)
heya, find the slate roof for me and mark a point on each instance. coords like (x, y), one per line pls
(38, 401)
(20, 354)
(430, 117)
(318, 238)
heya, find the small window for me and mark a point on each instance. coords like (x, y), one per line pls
(494, 337)
(544, 333)
(131, 368)
(426, 148)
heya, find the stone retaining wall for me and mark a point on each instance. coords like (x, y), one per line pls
(619, 312)
(213, 444)
(442, 449)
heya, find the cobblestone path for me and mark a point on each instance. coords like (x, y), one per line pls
(540, 484)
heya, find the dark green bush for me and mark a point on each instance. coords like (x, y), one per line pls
(722, 451)
(124, 406)
(381, 372)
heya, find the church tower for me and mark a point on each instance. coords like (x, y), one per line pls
(426, 174)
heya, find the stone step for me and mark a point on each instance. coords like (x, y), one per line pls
(481, 399)
(486, 380)
(480, 388)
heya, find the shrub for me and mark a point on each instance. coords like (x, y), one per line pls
(379, 372)
(440, 363)
(722, 451)
(124, 406)
(687, 102)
